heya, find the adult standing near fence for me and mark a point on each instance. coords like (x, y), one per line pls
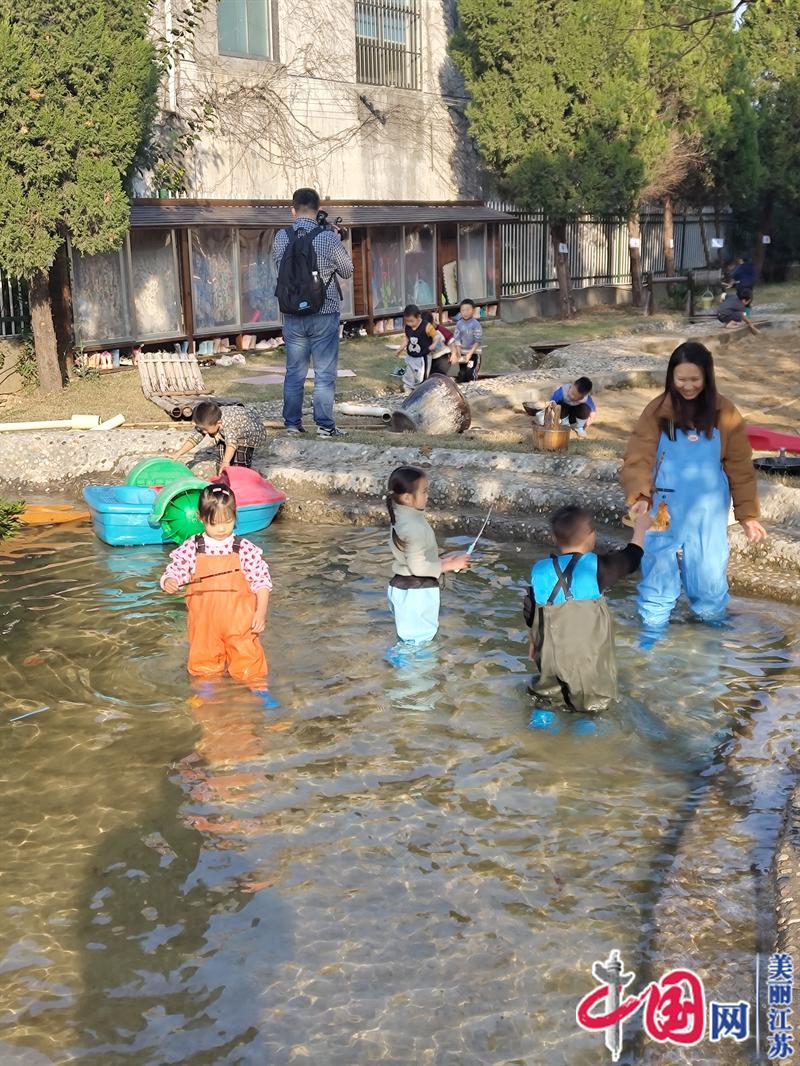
(309, 258)
(688, 455)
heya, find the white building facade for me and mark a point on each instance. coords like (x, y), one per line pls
(356, 98)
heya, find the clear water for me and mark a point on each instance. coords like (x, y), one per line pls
(388, 867)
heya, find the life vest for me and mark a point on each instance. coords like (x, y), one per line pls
(563, 578)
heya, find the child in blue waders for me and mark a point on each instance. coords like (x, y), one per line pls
(571, 632)
(416, 564)
(686, 457)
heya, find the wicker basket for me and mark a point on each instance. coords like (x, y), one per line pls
(555, 439)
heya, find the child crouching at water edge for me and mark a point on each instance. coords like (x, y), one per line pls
(571, 632)
(414, 594)
(228, 592)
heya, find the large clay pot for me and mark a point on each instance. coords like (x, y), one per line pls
(436, 406)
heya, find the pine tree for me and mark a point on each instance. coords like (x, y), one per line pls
(77, 96)
(560, 108)
(770, 35)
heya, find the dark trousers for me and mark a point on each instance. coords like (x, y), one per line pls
(578, 411)
(469, 373)
(241, 457)
(440, 365)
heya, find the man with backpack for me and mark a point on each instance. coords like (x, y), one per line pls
(308, 257)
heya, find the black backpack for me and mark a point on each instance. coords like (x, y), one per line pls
(301, 289)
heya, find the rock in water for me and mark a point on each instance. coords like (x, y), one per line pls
(436, 406)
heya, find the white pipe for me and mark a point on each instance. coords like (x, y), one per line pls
(172, 92)
(75, 422)
(366, 410)
(110, 423)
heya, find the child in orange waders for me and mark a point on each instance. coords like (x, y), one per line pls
(228, 586)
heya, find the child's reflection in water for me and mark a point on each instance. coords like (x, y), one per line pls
(223, 770)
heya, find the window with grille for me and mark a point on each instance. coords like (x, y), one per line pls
(388, 43)
(244, 28)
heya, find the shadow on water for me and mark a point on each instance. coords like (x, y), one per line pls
(162, 896)
(387, 865)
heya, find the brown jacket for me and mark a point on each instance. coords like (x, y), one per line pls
(737, 455)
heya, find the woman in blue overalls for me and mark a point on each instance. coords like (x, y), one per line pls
(690, 451)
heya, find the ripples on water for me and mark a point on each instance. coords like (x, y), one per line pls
(389, 867)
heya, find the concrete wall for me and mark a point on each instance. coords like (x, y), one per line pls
(546, 303)
(305, 121)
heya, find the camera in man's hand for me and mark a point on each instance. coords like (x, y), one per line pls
(334, 227)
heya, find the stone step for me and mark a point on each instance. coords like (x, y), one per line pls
(342, 454)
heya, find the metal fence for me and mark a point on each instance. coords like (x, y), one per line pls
(598, 248)
(14, 313)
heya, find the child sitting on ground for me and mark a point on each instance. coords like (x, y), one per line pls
(571, 632)
(228, 592)
(733, 309)
(578, 409)
(416, 565)
(235, 429)
(426, 350)
(466, 347)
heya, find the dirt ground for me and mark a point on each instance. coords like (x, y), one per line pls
(761, 375)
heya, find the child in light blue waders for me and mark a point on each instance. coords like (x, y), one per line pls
(571, 632)
(416, 564)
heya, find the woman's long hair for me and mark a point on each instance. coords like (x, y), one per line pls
(402, 480)
(700, 413)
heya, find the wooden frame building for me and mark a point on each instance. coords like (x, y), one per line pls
(191, 270)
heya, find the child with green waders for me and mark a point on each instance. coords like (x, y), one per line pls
(416, 564)
(572, 635)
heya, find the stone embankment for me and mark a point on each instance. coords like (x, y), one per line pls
(344, 482)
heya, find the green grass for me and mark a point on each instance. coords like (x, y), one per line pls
(787, 292)
(506, 347)
(119, 393)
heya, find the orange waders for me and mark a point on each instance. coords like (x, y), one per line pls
(221, 608)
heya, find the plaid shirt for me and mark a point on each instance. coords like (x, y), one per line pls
(240, 426)
(332, 258)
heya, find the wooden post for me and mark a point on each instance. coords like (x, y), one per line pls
(186, 286)
(669, 238)
(558, 236)
(368, 275)
(498, 268)
(439, 268)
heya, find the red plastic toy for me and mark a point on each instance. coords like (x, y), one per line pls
(249, 487)
(768, 440)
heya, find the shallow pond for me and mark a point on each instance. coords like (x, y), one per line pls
(389, 866)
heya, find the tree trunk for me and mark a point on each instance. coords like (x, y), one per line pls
(760, 250)
(635, 252)
(669, 238)
(718, 230)
(558, 237)
(704, 238)
(44, 336)
(61, 300)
